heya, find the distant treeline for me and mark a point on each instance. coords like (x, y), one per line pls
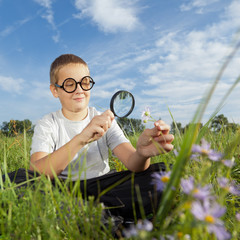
(15, 127)
(129, 125)
(218, 123)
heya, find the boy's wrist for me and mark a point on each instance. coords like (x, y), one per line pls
(80, 142)
(140, 156)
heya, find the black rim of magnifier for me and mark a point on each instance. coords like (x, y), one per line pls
(112, 101)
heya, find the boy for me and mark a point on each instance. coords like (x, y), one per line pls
(73, 142)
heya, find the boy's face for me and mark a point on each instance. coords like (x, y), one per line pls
(76, 102)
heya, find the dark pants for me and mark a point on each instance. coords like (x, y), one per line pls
(125, 193)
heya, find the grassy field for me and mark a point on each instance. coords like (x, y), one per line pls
(200, 190)
(48, 212)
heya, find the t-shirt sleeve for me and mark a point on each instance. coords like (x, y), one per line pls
(115, 136)
(43, 137)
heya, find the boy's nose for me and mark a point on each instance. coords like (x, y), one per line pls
(78, 89)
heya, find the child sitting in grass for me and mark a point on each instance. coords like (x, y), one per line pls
(72, 144)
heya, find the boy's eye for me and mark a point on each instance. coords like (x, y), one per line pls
(69, 83)
(86, 82)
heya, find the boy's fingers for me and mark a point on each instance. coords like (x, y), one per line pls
(109, 113)
(162, 126)
(164, 138)
(167, 147)
(159, 130)
(106, 125)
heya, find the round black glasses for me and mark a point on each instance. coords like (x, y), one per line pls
(70, 85)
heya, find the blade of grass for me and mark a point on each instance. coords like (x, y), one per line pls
(189, 138)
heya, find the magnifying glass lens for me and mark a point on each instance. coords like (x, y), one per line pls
(122, 103)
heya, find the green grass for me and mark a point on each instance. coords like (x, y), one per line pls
(43, 211)
(47, 212)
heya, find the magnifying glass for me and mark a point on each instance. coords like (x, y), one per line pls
(122, 104)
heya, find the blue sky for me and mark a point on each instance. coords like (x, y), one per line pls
(167, 53)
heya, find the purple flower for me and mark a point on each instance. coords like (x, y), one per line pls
(145, 225)
(230, 186)
(160, 179)
(204, 149)
(175, 152)
(205, 211)
(133, 230)
(199, 192)
(130, 232)
(187, 185)
(238, 216)
(228, 163)
(219, 231)
(195, 156)
(210, 214)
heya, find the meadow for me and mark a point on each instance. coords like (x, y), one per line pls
(48, 212)
(200, 190)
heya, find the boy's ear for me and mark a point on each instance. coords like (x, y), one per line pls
(54, 91)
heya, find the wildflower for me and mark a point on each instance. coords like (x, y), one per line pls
(238, 216)
(195, 156)
(145, 225)
(231, 187)
(219, 231)
(134, 230)
(186, 237)
(146, 112)
(167, 237)
(175, 152)
(210, 214)
(180, 234)
(130, 232)
(161, 179)
(200, 193)
(205, 149)
(228, 163)
(146, 115)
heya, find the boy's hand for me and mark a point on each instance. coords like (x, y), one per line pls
(97, 127)
(155, 141)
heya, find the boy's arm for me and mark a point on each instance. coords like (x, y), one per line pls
(58, 160)
(151, 142)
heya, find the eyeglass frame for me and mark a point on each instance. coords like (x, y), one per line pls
(80, 83)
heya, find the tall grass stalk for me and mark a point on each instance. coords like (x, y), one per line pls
(189, 138)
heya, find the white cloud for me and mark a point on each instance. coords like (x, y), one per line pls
(38, 91)
(100, 93)
(178, 69)
(49, 16)
(109, 15)
(197, 4)
(196, 54)
(45, 3)
(232, 14)
(11, 28)
(114, 84)
(12, 85)
(188, 62)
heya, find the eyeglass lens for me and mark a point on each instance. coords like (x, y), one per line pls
(70, 85)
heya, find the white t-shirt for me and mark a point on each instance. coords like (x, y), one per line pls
(54, 130)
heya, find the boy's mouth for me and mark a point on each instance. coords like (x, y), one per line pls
(79, 99)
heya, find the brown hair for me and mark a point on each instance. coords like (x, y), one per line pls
(61, 61)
